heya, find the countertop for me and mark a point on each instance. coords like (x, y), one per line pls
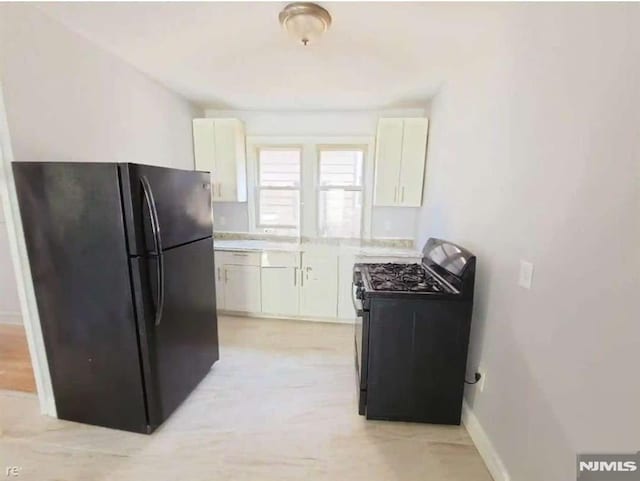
(357, 250)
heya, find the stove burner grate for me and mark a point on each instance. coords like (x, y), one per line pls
(402, 277)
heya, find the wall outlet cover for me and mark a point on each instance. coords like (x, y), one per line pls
(525, 278)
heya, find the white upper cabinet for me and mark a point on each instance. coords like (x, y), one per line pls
(388, 159)
(401, 146)
(204, 144)
(219, 147)
(414, 154)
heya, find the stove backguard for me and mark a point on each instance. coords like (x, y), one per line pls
(453, 263)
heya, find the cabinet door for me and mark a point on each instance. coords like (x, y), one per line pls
(280, 291)
(242, 288)
(219, 282)
(388, 160)
(224, 176)
(414, 150)
(319, 286)
(204, 144)
(241, 162)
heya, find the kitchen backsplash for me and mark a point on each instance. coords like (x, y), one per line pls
(397, 243)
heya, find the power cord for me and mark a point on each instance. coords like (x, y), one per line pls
(477, 377)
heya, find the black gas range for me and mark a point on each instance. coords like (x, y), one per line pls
(412, 334)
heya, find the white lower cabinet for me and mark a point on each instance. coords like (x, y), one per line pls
(345, 278)
(242, 288)
(218, 260)
(280, 291)
(319, 285)
(289, 284)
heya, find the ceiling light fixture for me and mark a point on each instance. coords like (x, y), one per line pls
(305, 21)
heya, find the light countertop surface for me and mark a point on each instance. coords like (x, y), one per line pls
(357, 250)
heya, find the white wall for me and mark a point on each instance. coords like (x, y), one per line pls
(534, 153)
(67, 99)
(387, 222)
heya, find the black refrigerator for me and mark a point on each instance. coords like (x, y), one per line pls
(122, 262)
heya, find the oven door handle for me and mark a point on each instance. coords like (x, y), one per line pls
(355, 301)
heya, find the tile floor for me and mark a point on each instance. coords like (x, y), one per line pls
(280, 405)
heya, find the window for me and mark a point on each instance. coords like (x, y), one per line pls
(340, 196)
(278, 186)
(310, 186)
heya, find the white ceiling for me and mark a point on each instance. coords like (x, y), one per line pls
(235, 55)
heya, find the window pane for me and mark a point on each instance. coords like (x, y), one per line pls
(279, 167)
(341, 167)
(340, 213)
(279, 207)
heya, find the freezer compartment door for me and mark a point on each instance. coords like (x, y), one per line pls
(177, 321)
(180, 200)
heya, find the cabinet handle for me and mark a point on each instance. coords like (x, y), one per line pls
(226, 276)
(395, 194)
(295, 276)
(219, 278)
(402, 194)
(301, 278)
(240, 254)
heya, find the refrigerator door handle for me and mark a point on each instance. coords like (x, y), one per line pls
(157, 240)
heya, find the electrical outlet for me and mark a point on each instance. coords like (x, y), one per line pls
(483, 379)
(525, 278)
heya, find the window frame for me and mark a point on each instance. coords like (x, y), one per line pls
(259, 188)
(351, 188)
(310, 164)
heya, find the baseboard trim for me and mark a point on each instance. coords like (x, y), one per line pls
(261, 315)
(484, 445)
(8, 317)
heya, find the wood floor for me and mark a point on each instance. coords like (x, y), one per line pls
(15, 364)
(279, 405)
